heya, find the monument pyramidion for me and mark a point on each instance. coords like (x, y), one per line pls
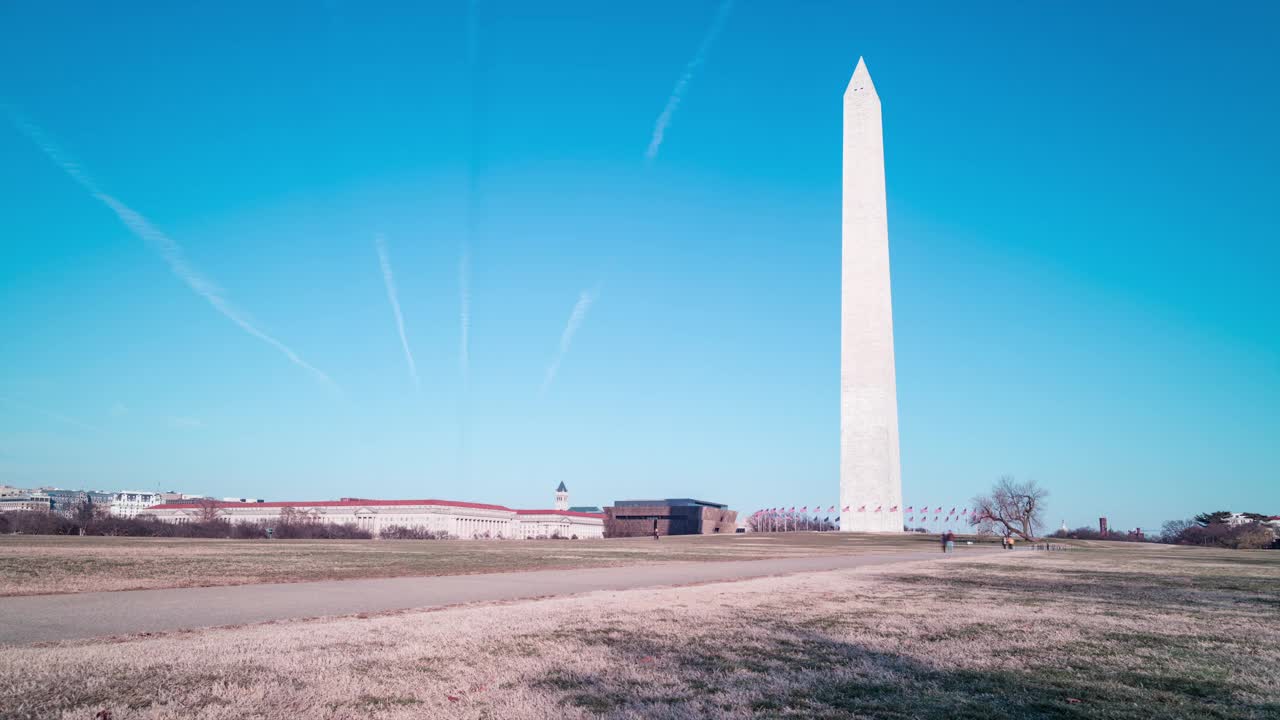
(870, 467)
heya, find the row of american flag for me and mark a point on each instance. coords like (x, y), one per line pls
(923, 513)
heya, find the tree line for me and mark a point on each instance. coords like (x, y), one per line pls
(43, 523)
(1215, 529)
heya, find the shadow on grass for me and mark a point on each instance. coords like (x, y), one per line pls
(795, 668)
(800, 673)
(1149, 589)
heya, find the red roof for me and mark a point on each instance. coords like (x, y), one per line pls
(345, 502)
(365, 502)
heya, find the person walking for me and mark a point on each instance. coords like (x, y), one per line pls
(949, 542)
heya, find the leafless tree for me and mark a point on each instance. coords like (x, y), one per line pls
(1173, 530)
(210, 510)
(1011, 508)
(86, 510)
(290, 515)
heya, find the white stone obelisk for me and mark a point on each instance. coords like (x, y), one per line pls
(870, 469)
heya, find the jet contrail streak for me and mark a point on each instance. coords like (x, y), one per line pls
(660, 127)
(166, 247)
(390, 281)
(566, 338)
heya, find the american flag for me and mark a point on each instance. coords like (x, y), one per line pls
(879, 508)
(862, 508)
(846, 509)
(893, 509)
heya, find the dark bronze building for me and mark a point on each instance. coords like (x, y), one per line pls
(673, 516)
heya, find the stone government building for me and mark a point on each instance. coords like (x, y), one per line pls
(463, 520)
(673, 516)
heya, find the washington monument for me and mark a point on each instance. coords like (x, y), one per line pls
(870, 471)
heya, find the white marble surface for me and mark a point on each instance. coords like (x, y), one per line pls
(870, 469)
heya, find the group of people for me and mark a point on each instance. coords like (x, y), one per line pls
(1006, 542)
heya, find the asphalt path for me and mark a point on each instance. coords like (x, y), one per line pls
(47, 618)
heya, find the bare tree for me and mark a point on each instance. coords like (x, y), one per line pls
(210, 510)
(1011, 508)
(290, 515)
(1174, 530)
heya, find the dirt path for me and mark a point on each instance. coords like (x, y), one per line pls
(85, 615)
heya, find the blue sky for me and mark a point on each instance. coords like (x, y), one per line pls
(1083, 226)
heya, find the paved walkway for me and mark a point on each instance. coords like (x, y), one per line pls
(44, 618)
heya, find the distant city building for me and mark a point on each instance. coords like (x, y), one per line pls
(175, 496)
(1236, 518)
(672, 516)
(128, 503)
(7, 490)
(1102, 526)
(243, 500)
(68, 502)
(1270, 522)
(562, 497)
(26, 502)
(465, 520)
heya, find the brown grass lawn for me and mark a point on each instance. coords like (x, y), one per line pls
(1117, 632)
(34, 564)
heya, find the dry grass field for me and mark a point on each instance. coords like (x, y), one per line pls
(42, 564)
(1117, 632)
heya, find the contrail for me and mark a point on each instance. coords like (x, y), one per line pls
(566, 338)
(660, 128)
(395, 307)
(166, 247)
